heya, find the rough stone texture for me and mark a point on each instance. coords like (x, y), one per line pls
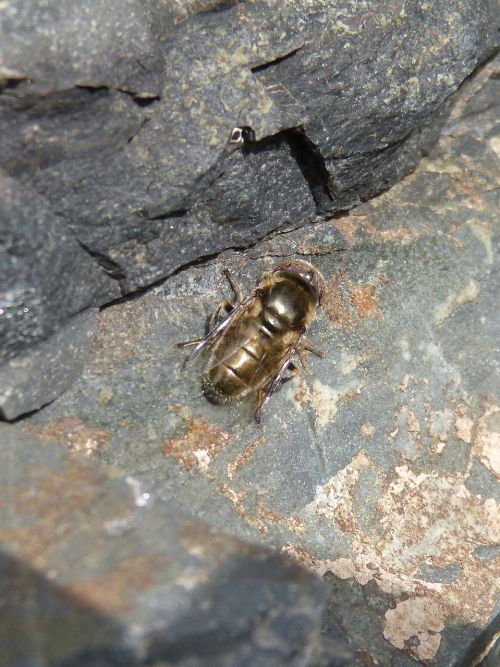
(192, 597)
(35, 378)
(46, 277)
(378, 470)
(118, 115)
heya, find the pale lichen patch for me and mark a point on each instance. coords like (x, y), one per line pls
(324, 399)
(494, 143)
(420, 618)
(426, 519)
(406, 431)
(463, 426)
(334, 498)
(367, 430)
(340, 567)
(466, 295)
(487, 442)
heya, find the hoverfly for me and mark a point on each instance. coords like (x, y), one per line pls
(250, 349)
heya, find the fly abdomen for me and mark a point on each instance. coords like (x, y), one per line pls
(232, 378)
(222, 384)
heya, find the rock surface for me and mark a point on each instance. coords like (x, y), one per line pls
(195, 597)
(114, 121)
(31, 380)
(378, 470)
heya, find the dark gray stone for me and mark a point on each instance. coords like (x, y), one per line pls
(118, 115)
(46, 276)
(148, 587)
(36, 377)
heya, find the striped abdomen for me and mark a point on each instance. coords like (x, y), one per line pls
(248, 355)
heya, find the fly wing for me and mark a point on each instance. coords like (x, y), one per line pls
(217, 332)
(245, 333)
(275, 380)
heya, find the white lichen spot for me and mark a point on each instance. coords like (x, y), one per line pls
(141, 497)
(466, 295)
(405, 349)
(333, 499)
(487, 442)
(494, 143)
(348, 363)
(191, 577)
(324, 399)
(463, 427)
(367, 430)
(418, 619)
(202, 459)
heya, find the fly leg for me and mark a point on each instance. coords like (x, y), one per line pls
(235, 286)
(309, 347)
(226, 306)
(214, 320)
(306, 346)
(189, 343)
(293, 370)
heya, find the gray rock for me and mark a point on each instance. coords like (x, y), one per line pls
(36, 377)
(118, 115)
(46, 276)
(376, 470)
(193, 597)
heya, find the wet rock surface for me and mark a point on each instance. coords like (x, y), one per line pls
(377, 470)
(117, 116)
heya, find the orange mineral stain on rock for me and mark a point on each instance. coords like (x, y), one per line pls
(237, 500)
(245, 456)
(294, 524)
(198, 446)
(347, 303)
(364, 300)
(336, 303)
(347, 225)
(72, 433)
(60, 504)
(113, 592)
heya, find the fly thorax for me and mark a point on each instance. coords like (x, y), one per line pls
(286, 306)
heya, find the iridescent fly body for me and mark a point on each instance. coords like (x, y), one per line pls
(250, 350)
